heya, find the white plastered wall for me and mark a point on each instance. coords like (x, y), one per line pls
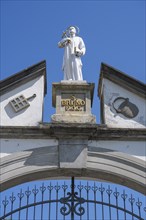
(135, 149)
(11, 146)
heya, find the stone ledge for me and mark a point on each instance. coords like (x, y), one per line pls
(56, 130)
(88, 119)
(73, 82)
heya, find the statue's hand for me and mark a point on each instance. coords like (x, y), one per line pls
(68, 41)
(64, 42)
(78, 53)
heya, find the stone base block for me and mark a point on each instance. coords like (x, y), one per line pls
(89, 119)
(73, 101)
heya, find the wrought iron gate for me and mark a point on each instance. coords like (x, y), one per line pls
(81, 201)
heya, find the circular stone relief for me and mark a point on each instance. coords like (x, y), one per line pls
(123, 106)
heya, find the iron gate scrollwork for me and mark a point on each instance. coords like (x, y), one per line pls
(70, 201)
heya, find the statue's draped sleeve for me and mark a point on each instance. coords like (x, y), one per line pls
(82, 46)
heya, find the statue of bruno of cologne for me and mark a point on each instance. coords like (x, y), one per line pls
(74, 48)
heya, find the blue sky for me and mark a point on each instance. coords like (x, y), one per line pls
(113, 31)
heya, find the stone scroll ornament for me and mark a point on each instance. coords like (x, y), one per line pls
(123, 106)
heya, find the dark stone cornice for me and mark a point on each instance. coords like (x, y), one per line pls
(121, 79)
(23, 77)
(88, 131)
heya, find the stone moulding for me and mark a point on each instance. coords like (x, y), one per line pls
(120, 78)
(19, 169)
(90, 131)
(24, 76)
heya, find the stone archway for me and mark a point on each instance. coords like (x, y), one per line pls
(55, 150)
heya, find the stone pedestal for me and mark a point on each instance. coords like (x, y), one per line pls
(73, 101)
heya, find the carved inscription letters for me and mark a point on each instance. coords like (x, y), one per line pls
(73, 104)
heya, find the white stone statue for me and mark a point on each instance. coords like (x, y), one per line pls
(74, 48)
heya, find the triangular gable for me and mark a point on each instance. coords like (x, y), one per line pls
(22, 97)
(122, 99)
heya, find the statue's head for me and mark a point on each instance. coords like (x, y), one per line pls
(72, 30)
